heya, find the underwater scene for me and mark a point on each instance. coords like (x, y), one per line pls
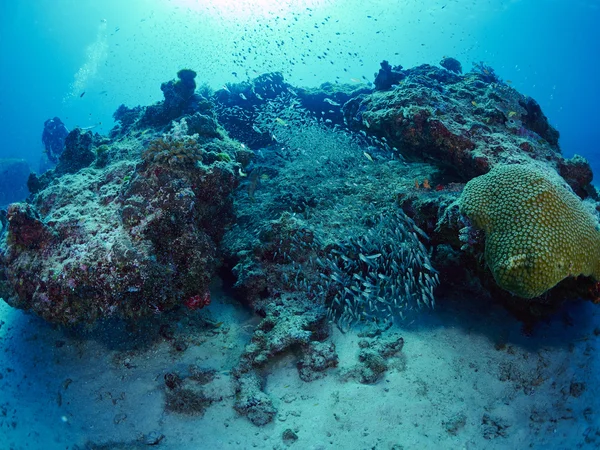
(299, 224)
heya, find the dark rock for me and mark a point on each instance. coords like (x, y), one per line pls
(285, 327)
(187, 400)
(592, 436)
(78, 152)
(3, 220)
(390, 345)
(536, 121)
(289, 436)
(126, 117)
(172, 380)
(455, 423)
(178, 93)
(576, 389)
(326, 101)
(372, 366)
(251, 401)
(388, 76)
(26, 229)
(494, 427)
(451, 64)
(203, 125)
(577, 173)
(317, 358)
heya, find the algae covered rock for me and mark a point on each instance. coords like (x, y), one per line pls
(128, 238)
(537, 231)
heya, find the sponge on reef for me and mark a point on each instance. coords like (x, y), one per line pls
(537, 231)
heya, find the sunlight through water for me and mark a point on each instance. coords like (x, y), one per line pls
(248, 9)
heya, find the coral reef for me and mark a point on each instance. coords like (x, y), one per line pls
(463, 124)
(180, 98)
(77, 153)
(132, 234)
(326, 101)
(537, 231)
(388, 76)
(334, 205)
(451, 64)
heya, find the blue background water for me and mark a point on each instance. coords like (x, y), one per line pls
(120, 51)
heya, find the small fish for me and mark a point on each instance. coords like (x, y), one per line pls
(512, 114)
(264, 177)
(356, 80)
(281, 122)
(255, 128)
(331, 102)
(225, 88)
(473, 102)
(242, 96)
(82, 94)
(91, 126)
(258, 96)
(369, 157)
(508, 81)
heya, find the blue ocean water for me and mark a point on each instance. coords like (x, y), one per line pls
(80, 59)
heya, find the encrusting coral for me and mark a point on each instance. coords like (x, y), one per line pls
(537, 231)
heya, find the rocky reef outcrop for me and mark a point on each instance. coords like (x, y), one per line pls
(464, 124)
(337, 182)
(337, 204)
(122, 229)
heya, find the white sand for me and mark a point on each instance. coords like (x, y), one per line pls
(449, 372)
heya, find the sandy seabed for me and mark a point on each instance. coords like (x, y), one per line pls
(467, 378)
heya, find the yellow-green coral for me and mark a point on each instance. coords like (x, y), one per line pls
(537, 231)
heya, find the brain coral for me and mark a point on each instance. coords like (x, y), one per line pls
(537, 231)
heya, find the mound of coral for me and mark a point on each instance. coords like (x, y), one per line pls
(537, 231)
(125, 226)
